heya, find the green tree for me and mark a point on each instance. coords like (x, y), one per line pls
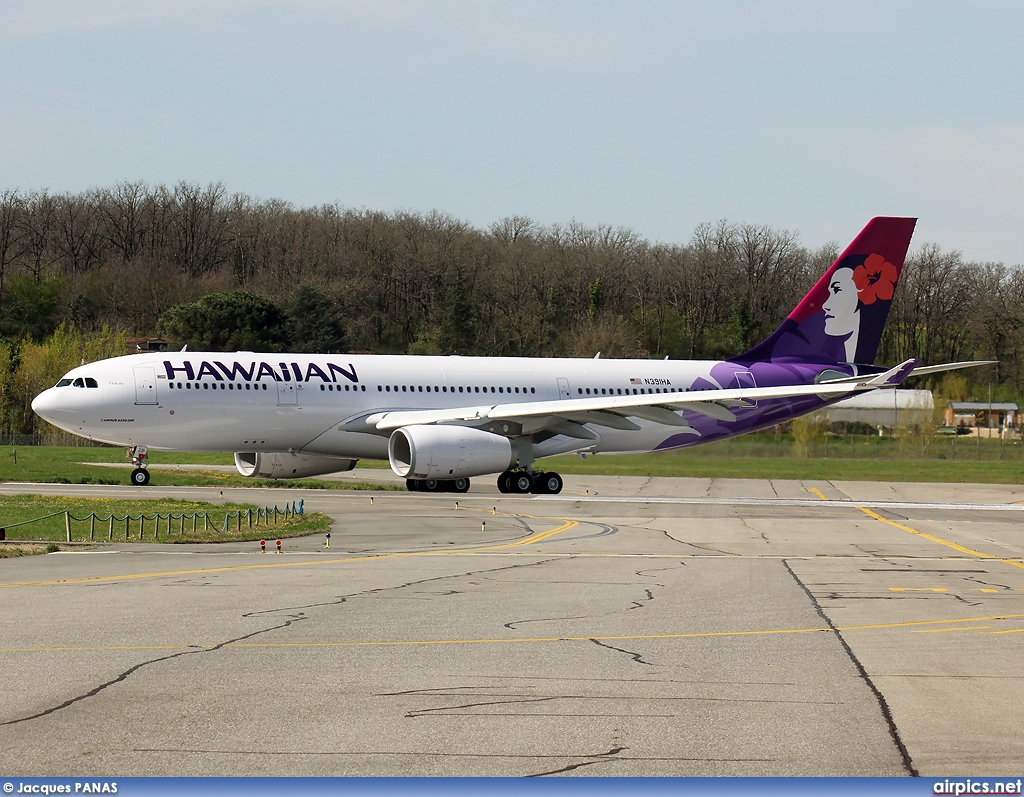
(31, 309)
(315, 322)
(229, 321)
(457, 330)
(40, 365)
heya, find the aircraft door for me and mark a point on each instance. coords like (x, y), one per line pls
(744, 379)
(145, 385)
(563, 388)
(286, 394)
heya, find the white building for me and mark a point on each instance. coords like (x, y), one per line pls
(886, 407)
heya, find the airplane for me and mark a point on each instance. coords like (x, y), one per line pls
(443, 420)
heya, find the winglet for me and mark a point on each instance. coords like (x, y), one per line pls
(890, 378)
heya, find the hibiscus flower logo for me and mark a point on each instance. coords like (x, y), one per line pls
(875, 279)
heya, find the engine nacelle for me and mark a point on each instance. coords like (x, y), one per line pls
(447, 452)
(282, 465)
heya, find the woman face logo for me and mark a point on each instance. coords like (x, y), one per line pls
(841, 314)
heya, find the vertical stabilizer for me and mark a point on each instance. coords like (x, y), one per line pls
(841, 319)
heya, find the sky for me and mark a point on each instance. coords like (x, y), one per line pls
(810, 116)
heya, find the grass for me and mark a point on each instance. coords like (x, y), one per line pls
(11, 551)
(63, 465)
(756, 456)
(712, 467)
(16, 508)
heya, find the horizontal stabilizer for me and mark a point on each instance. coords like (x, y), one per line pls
(922, 370)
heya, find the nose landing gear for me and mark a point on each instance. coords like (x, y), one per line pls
(138, 454)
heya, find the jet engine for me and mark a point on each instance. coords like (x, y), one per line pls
(447, 452)
(283, 465)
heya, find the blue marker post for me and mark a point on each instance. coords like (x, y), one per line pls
(300, 506)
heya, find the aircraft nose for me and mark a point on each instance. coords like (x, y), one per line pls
(45, 404)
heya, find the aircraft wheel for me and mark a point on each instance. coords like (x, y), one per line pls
(412, 485)
(520, 482)
(431, 485)
(546, 484)
(140, 477)
(461, 485)
(551, 483)
(503, 482)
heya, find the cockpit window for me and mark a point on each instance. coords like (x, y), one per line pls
(78, 383)
(64, 383)
(90, 382)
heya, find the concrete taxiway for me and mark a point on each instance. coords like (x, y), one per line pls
(626, 627)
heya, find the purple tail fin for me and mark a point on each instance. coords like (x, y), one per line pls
(841, 319)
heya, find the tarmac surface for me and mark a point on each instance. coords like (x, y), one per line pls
(628, 627)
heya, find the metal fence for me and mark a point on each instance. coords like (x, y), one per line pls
(164, 526)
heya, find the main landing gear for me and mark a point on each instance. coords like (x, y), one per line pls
(138, 454)
(437, 485)
(537, 482)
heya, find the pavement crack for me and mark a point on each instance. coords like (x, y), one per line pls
(638, 658)
(123, 676)
(406, 585)
(599, 758)
(515, 623)
(883, 706)
(423, 712)
(640, 603)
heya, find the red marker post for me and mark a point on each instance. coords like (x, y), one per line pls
(263, 546)
(279, 546)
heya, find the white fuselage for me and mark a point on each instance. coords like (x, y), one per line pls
(316, 403)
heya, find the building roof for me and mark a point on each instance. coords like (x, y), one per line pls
(975, 406)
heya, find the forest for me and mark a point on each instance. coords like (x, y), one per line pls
(80, 274)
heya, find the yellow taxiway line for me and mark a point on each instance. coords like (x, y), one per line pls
(915, 625)
(533, 538)
(939, 540)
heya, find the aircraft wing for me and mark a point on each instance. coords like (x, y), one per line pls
(921, 370)
(615, 411)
